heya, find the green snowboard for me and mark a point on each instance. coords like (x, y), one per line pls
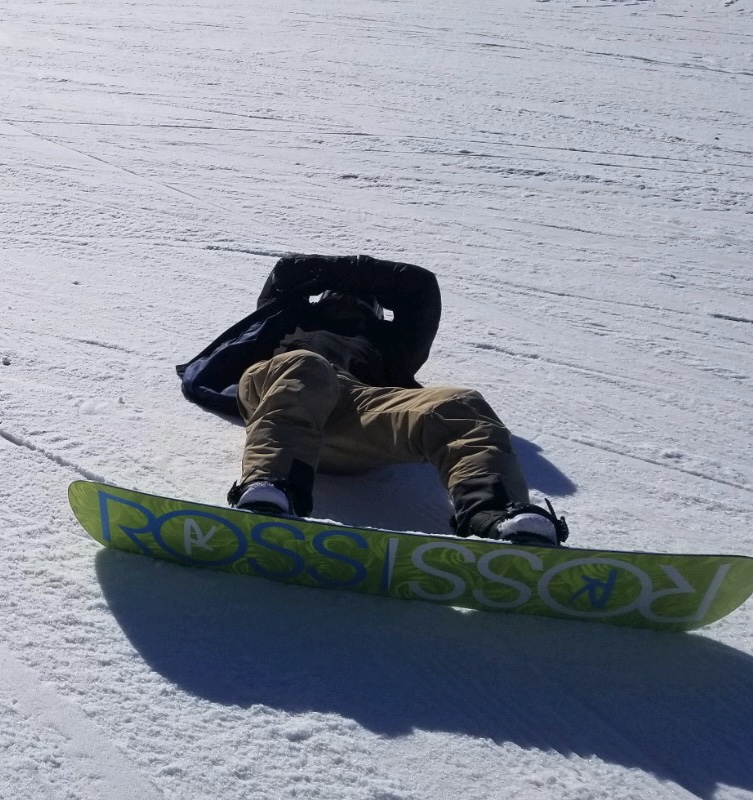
(641, 590)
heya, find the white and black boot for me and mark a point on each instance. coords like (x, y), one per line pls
(521, 524)
(260, 497)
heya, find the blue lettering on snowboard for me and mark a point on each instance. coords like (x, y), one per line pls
(598, 591)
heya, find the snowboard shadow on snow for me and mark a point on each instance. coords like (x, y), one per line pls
(679, 706)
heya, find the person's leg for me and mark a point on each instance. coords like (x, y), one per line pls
(472, 449)
(453, 428)
(285, 403)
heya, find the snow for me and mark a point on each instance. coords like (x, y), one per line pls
(579, 175)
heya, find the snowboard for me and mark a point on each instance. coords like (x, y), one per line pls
(642, 590)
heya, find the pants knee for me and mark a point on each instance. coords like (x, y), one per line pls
(311, 368)
(465, 420)
(465, 403)
(301, 361)
(292, 371)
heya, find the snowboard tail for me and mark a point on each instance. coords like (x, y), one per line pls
(642, 590)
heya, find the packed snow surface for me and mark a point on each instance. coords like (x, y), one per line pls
(579, 175)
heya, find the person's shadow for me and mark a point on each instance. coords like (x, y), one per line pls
(678, 706)
(541, 474)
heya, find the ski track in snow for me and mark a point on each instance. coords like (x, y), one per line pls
(578, 173)
(53, 457)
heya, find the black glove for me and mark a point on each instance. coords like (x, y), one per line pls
(303, 275)
(392, 282)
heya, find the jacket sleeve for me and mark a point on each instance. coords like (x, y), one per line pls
(268, 292)
(410, 292)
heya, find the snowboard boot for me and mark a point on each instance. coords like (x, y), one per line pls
(260, 497)
(521, 524)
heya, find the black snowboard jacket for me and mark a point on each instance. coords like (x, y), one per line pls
(387, 352)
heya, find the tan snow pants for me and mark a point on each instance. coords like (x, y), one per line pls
(298, 408)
